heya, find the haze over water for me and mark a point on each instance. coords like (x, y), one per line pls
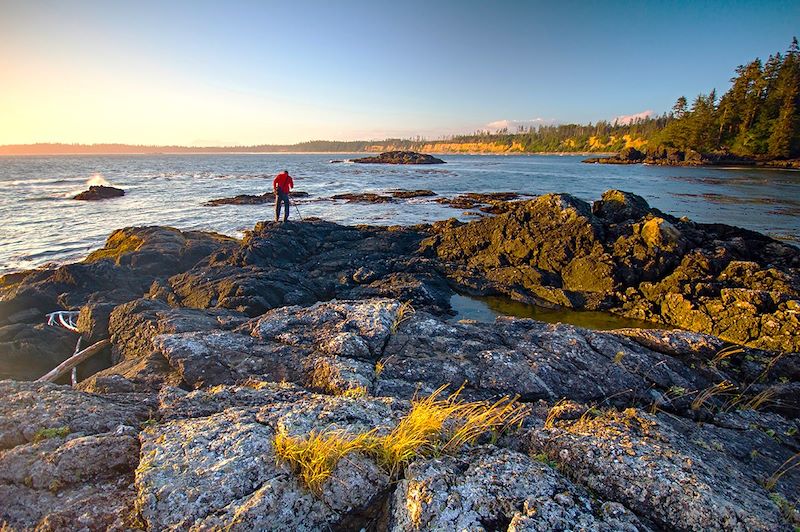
(42, 224)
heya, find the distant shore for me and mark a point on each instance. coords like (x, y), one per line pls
(278, 152)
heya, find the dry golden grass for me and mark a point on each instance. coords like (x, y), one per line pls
(435, 426)
(759, 400)
(355, 392)
(404, 313)
(314, 457)
(712, 391)
(724, 353)
(792, 463)
(556, 411)
(432, 427)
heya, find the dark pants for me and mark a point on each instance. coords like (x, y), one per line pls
(281, 198)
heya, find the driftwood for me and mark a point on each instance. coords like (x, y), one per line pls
(74, 360)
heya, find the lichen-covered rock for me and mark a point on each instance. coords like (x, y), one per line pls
(486, 488)
(353, 329)
(680, 474)
(527, 358)
(208, 358)
(67, 457)
(29, 410)
(221, 471)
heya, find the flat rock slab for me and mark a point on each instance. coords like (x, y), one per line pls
(29, 410)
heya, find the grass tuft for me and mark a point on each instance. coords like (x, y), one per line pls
(792, 463)
(46, 434)
(404, 313)
(724, 353)
(432, 427)
(314, 457)
(712, 391)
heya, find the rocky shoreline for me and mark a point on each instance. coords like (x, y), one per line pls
(675, 157)
(313, 333)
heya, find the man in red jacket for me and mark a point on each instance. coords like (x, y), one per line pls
(282, 184)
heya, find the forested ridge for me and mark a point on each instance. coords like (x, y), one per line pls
(756, 118)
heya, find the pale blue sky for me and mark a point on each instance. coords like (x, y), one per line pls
(274, 72)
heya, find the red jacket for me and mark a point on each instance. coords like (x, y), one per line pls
(283, 182)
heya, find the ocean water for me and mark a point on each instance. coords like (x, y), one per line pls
(41, 224)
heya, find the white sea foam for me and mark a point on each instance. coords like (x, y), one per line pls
(97, 180)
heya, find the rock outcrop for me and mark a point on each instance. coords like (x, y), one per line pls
(99, 192)
(249, 199)
(621, 255)
(235, 364)
(400, 157)
(171, 458)
(123, 270)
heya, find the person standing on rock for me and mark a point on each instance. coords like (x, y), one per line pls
(282, 184)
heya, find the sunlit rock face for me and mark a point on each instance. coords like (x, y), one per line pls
(621, 255)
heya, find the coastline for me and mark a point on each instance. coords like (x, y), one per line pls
(228, 368)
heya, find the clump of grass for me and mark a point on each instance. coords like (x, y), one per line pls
(380, 365)
(432, 427)
(46, 434)
(556, 411)
(712, 391)
(314, 457)
(437, 426)
(355, 392)
(793, 462)
(545, 459)
(724, 353)
(404, 313)
(787, 509)
(759, 400)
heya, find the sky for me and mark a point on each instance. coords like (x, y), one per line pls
(242, 73)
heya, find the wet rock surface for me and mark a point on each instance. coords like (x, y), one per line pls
(220, 346)
(99, 192)
(250, 199)
(399, 157)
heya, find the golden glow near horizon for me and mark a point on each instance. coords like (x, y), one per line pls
(39, 103)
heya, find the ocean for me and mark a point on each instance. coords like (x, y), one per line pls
(41, 224)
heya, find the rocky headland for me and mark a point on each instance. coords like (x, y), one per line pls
(302, 378)
(400, 157)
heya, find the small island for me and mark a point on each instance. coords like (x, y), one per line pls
(400, 157)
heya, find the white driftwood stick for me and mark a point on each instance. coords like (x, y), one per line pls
(74, 360)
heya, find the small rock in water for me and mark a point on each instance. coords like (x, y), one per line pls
(99, 192)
